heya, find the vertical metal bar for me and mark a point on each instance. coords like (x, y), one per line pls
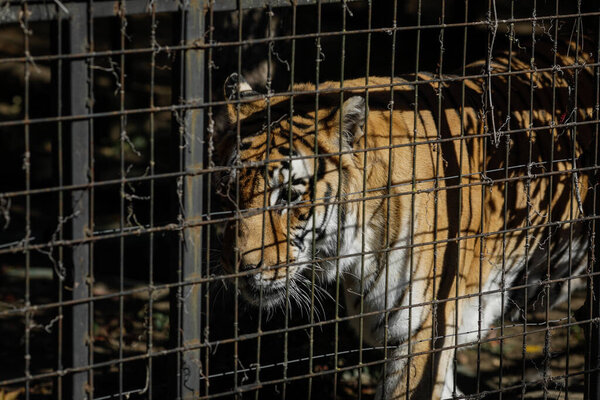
(593, 384)
(27, 168)
(436, 201)
(386, 305)
(589, 309)
(339, 208)
(150, 317)
(529, 223)
(573, 197)
(238, 141)
(533, 137)
(318, 59)
(210, 131)
(287, 245)
(593, 365)
(504, 226)
(265, 188)
(488, 108)
(364, 203)
(80, 159)
(91, 178)
(592, 362)
(507, 144)
(193, 91)
(459, 232)
(122, 173)
(58, 78)
(413, 195)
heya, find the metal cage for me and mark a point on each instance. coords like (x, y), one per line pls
(112, 118)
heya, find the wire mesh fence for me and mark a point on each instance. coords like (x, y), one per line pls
(299, 199)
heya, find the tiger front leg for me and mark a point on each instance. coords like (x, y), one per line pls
(419, 369)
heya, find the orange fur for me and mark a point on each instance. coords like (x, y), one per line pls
(466, 210)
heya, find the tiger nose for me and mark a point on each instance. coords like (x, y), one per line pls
(249, 266)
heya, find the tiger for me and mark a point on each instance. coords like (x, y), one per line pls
(428, 196)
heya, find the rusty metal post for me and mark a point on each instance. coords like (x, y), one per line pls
(80, 200)
(192, 86)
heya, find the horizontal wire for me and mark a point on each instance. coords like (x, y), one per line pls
(201, 45)
(138, 231)
(47, 306)
(191, 105)
(209, 345)
(206, 219)
(256, 164)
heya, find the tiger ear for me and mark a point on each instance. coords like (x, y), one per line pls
(352, 116)
(237, 88)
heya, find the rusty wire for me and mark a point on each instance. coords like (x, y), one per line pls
(206, 350)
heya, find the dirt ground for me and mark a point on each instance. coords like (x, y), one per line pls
(504, 364)
(501, 363)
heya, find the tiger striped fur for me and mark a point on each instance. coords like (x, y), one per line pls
(427, 193)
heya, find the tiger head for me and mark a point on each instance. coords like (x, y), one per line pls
(288, 185)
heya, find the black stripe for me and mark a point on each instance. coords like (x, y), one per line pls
(298, 181)
(327, 199)
(300, 125)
